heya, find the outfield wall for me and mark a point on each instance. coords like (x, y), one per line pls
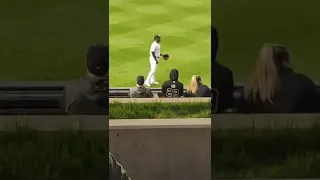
(161, 149)
(228, 121)
(219, 121)
(55, 123)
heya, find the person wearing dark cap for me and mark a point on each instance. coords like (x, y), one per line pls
(222, 83)
(172, 88)
(116, 170)
(93, 98)
(140, 91)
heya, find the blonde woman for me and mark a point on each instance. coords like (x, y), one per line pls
(275, 87)
(197, 89)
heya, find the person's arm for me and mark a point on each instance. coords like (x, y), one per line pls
(208, 92)
(116, 171)
(131, 92)
(182, 90)
(149, 92)
(294, 96)
(163, 88)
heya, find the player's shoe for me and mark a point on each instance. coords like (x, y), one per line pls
(147, 84)
(155, 82)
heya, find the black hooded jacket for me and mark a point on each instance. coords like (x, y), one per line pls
(221, 79)
(172, 87)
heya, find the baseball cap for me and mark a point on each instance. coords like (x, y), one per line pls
(156, 36)
(140, 80)
(98, 60)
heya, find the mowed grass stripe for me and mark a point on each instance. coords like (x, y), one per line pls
(48, 41)
(186, 40)
(243, 28)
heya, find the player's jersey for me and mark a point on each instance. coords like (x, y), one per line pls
(155, 47)
(172, 89)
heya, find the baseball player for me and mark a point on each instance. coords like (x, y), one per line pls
(154, 60)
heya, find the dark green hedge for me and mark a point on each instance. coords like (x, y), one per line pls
(266, 153)
(159, 110)
(31, 155)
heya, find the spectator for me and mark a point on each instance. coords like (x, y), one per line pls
(173, 88)
(94, 98)
(221, 78)
(140, 91)
(116, 171)
(276, 88)
(197, 89)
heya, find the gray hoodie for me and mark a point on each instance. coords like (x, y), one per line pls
(140, 92)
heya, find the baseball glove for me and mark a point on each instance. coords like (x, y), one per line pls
(166, 56)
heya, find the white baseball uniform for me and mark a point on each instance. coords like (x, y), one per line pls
(155, 47)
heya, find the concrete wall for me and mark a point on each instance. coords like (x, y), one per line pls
(161, 149)
(153, 100)
(170, 149)
(227, 121)
(55, 123)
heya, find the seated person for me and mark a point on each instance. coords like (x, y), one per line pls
(276, 88)
(197, 89)
(93, 98)
(221, 78)
(140, 91)
(172, 88)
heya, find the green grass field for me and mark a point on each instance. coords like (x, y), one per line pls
(185, 30)
(48, 40)
(28, 154)
(159, 110)
(245, 25)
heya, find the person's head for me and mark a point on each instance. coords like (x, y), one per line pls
(157, 38)
(273, 60)
(174, 75)
(140, 80)
(194, 84)
(215, 43)
(97, 61)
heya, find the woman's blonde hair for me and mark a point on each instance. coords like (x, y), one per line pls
(265, 80)
(194, 83)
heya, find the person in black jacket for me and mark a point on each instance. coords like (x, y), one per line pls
(197, 89)
(222, 83)
(173, 88)
(276, 88)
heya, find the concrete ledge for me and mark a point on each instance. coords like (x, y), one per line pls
(161, 149)
(55, 123)
(159, 123)
(153, 100)
(230, 121)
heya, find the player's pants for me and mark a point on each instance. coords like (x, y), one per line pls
(151, 79)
